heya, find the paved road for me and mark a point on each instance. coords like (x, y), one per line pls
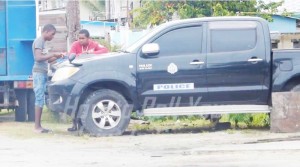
(238, 148)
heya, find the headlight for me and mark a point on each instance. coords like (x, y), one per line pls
(64, 73)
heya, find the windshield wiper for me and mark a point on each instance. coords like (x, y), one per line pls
(123, 51)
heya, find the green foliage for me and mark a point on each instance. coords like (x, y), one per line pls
(93, 5)
(111, 48)
(286, 13)
(261, 120)
(50, 116)
(157, 12)
(5, 112)
(189, 11)
(173, 118)
(153, 13)
(219, 10)
(251, 120)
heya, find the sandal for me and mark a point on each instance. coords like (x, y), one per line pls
(43, 131)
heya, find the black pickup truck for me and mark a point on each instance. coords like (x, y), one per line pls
(197, 66)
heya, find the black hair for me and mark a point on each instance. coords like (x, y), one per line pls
(48, 27)
(85, 32)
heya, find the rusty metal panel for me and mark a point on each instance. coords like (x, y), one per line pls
(285, 115)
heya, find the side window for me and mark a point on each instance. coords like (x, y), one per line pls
(232, 36)
(180, 41)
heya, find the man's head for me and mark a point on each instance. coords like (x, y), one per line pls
(83, 37)
(48, 32)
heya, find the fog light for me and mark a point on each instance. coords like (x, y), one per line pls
(59, 100)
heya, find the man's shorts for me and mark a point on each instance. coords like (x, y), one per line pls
(39, 88)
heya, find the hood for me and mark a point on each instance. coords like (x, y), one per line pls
(84, 59)
(110, 62)
(91, 57)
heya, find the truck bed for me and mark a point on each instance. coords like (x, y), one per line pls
(286, 68)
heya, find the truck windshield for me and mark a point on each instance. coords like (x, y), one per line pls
(136, 45)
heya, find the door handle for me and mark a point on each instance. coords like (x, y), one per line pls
(196, 62)
(254, 60)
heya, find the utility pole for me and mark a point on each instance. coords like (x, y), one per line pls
(107, 9)
(73, 20)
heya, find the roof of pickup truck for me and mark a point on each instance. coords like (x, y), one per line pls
(210, 19)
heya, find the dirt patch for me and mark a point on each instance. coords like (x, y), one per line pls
(171, 146)
(200, 149)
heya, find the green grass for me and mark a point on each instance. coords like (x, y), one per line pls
(6, 112)
(248, 120)
(54, 117)
(173, 124)
(241, 121)
(176, 124)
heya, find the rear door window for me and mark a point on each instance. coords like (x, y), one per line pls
(230, 36)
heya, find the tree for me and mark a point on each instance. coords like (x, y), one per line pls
(96, 7)
(73, 19)
(157, 12)
(153, 13)
(219, 10)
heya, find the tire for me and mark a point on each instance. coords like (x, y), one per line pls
(21, 111)
(105, 113)
(295, 88)
(30, 106)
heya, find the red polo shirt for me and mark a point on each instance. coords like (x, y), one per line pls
(93, 47)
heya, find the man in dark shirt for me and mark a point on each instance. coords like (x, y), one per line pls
(40, 70)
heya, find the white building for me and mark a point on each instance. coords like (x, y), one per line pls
(51, 4)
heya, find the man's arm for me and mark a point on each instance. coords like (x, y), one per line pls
(99, 49)
(40, 57)
(52, 60)
(74, 48)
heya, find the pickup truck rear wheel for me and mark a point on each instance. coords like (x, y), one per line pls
(295, 88)
(105, 113)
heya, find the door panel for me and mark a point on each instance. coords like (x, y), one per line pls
(2, 38)
(236, 63)
(176, 75)
(21, 33)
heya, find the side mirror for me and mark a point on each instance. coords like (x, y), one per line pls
(150, 49)
(71, 57)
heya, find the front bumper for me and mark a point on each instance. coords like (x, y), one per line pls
(63, 96)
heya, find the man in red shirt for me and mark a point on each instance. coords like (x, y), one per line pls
(85, 45)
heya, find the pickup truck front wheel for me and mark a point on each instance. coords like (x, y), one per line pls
(105, 113)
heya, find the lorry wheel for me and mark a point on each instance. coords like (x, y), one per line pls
(30, 106)
(105, 113)
(21, 111)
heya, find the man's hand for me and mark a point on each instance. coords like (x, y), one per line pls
(88, 51)
(58, 55)
(52, 60)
